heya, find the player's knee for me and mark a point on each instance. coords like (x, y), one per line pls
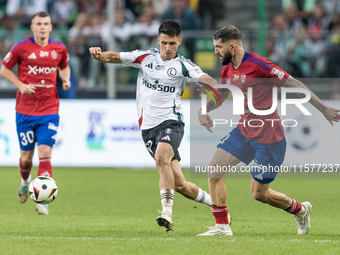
(213, 181)
(44, 151)
(260, 196)
(215, 176)
(26, 160)
(161, 160)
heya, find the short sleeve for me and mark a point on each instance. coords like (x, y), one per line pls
(12, 57)
(269, 70)
(191, 70)
(64, 61)
(133, 58)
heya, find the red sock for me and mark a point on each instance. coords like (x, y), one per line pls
(294, 208)
(25, 170)
(221, 214)
(45, 167)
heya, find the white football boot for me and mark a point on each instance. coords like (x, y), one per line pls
(165, 220)
(23, 191)
(303, 221)
(42, 209)
(218, 231)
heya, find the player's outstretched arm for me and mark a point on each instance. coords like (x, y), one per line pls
(106, 56)
(24, 88)
(330, 113)
(65, 75)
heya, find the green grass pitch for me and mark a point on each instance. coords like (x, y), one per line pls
(113, 211)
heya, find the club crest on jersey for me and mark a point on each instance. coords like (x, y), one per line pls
(243, 78)
(54, 55)
(43, 54)
(172, 72)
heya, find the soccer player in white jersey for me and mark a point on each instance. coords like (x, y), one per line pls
(161, 80)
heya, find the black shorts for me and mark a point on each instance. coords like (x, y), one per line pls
(169, 131)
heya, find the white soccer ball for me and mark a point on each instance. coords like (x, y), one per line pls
(43, 190)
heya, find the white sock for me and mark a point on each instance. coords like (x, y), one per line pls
(167, 198)
(203, 197)
(26, 182)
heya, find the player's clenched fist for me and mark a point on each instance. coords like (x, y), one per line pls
(105, 57)
(96, 53)
(66, 84)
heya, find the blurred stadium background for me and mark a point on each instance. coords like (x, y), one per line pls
(112, 211)
(99, 118)
(301, 36)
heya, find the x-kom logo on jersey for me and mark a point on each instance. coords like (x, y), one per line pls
(41, 70)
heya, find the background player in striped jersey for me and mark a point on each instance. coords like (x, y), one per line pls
(37, 103)
(161, 80)
(265, 145)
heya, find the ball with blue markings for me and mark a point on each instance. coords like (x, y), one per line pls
(43, 190)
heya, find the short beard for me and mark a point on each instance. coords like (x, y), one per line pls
(226, 58)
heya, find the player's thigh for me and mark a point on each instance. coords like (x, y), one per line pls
(268, 160)
(46, 130)
(168, 133)
(26, 131)
(220, 160)
(171, 132)
(237, 145)
(149, 138)
(164, 152)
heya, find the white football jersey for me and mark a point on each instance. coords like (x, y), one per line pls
(160, 85)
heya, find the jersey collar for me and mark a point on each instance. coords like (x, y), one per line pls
(245, 56)
(165, 61)
(49, 40)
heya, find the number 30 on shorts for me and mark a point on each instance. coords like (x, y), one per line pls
(27, 138)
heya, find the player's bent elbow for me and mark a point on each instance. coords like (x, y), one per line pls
(2, 70)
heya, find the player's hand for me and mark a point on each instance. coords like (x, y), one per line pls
(205, 120)
(96, 53)
(26, 89)
(332, 114)
(66, 84)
